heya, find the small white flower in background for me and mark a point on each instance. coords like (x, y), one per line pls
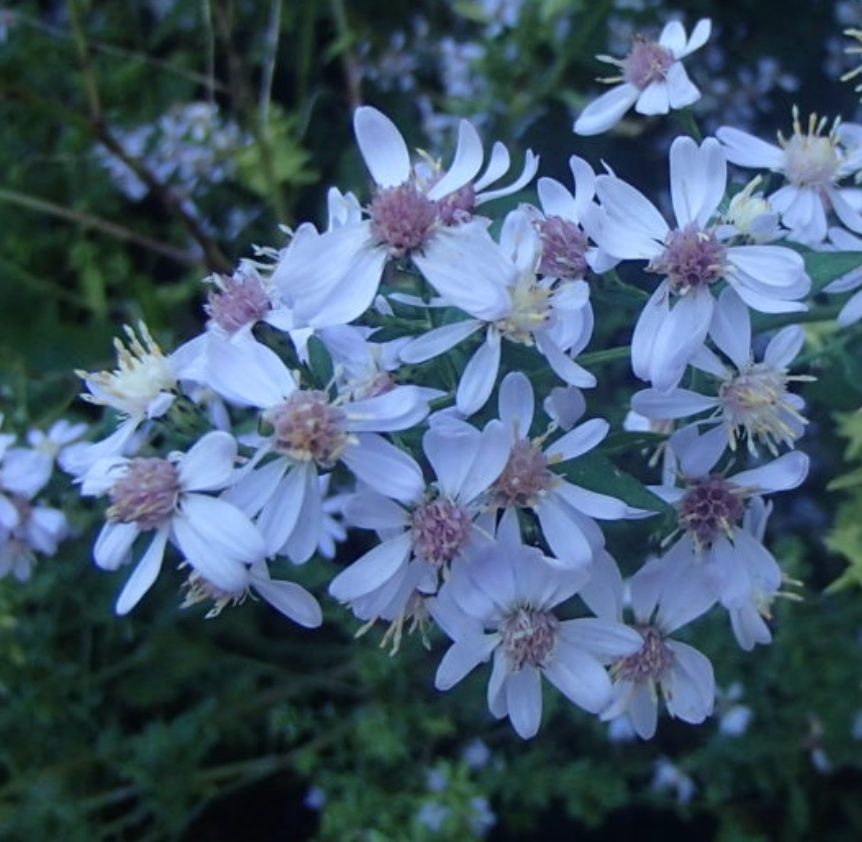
(733, 716)
(668, 777)
(813, 164)
(751, 400)
(653, 79)
(500, 605)
(691, 258)
(419, 212)
(169, 498)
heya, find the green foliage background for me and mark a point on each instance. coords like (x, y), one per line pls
(163, 726)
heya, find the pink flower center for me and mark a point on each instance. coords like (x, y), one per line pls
(439, 530)
(238, 303)
(401, 218)
(524, 479)
(564, 246)
(711, 506)
(528, 637)
(650, 662)
(647, 62)
(692, 259)
(146, 494)
(307, 427)
(458, 206)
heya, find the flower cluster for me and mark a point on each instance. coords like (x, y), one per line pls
(413, 372)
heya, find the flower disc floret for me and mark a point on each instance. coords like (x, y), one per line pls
(756, 400)
(564, 247)
(146, 494)
(524, 479)
(457, 206)
(528, 637)
(650, 662)
(647, 62)
(811, 158)
(711, 507)
(439, 529)
(692, 259)
(308, 427)
(401, 218)
(237, 303)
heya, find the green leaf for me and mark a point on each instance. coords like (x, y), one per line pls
(826, 266)
(319, 362)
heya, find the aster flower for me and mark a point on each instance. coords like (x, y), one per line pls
(711, 507)
(653, 79)
(565, 511)
(306, 431)
(501, 605)
(554, 317)
(814, 162)
(661, 606)
(419, 212)
(168, 497)
(691, 257)
(750, 398)
(424, 536)
(142, 387)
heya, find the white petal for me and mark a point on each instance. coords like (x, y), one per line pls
(385, 468)
(372, 570)
(606, 111)
(690, 687)
(524, 701)
(578, 441)
(292, 600)
(698, 179)
(144, 575)
(382, 146)
(746, 150)
(114, 545)
(280, 513)
(678, 403)
(781, 474)
(209, 463)
(579, 677)
(463, 656)
(437, 341)
(479, 376)
(465, 166)
(654, 98)
(517, 403)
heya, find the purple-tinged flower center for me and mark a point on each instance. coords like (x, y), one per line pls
(458, 206)
(237, 303)
(650, 662)
(692, 259)
(528, 637)
(564, 246)
(757, 401)
(146, 494)
(401, 218)
(440, 528)
(308, 427)
(711, 506)
(647, 62)
(524, 479)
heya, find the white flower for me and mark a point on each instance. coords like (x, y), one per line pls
(565, 511)
(813, 163)
(419, 211)
(851, 310)
(661, 606)
(424, 536)
(750, 398)
(554, 317)
(167, 497)
(500, 605)
(691, 257)
(653, 79)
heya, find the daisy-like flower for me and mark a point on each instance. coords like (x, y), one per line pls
(528, 482)
(682, 674)
(306, 431)
(750, 400)
(142, 387)
(501, 605)
(423, 537)
(691, 258)
(652, 79)
(813, 161)
(554, 317)
(168, 497)
(419, 212)
(710, 510)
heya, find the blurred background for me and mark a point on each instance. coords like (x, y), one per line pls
(149, 143)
